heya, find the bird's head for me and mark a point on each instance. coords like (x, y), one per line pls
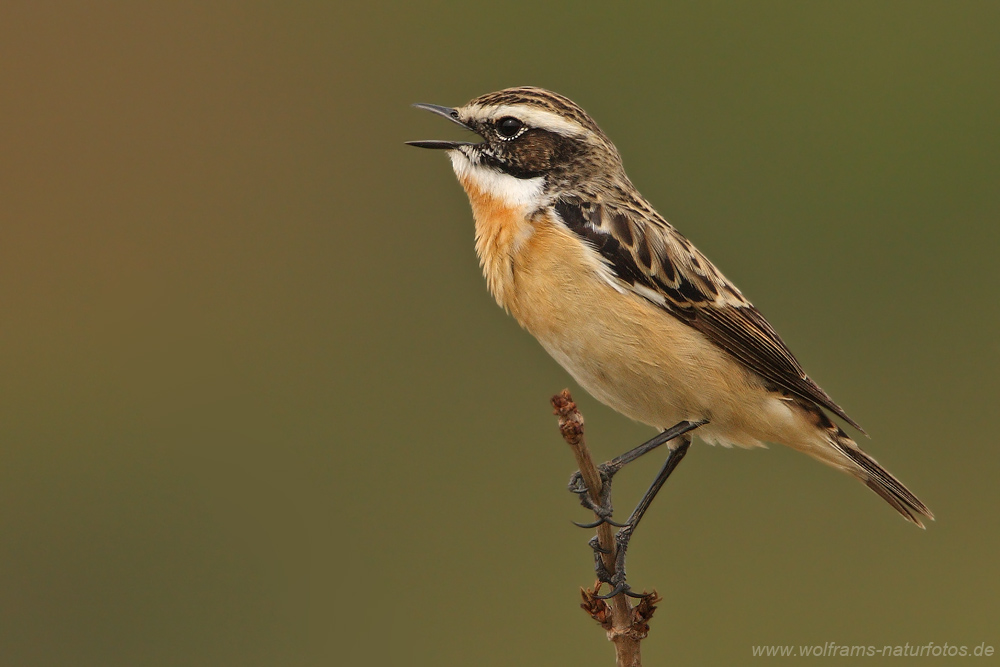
(528, 134)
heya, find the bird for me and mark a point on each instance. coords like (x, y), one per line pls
(637, 315)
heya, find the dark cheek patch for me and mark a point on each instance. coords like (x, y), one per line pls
(532, 154)
(534, 151)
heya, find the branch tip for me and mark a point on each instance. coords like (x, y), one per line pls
(563, 404)
(570, 419)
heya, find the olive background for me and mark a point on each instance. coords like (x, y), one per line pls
(258, 408)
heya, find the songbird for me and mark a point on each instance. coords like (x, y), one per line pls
(627, 305)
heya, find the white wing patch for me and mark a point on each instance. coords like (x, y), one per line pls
(647, 293)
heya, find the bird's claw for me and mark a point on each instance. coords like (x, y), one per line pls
(603, 509)
(623, 588)
(617, 580)
(599, 522)
(595, 544)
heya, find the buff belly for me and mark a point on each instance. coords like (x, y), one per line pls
(632, 355)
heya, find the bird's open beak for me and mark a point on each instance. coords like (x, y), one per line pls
(450, 114)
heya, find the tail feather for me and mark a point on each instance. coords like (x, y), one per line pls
(843, 453)
(882, 482)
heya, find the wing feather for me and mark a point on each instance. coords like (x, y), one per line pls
(651, 258)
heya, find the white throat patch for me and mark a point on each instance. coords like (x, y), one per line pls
(518, 193)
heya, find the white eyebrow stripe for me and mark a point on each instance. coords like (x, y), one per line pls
(531, 115)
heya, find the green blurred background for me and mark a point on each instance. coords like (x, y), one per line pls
(258, 408)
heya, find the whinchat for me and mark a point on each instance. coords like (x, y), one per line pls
(627, 305)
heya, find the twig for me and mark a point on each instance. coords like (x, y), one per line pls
(626, 626)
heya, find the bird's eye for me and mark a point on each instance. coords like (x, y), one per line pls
(508, 127)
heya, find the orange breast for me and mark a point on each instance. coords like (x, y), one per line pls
(501, 232)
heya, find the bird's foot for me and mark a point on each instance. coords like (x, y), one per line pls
(602, 508)
(615, 580)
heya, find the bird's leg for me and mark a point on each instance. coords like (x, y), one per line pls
(617, 580)
(603, 508)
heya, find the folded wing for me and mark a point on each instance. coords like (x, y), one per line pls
(649, 257)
